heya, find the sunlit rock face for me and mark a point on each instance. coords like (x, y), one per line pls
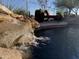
(7, 53)
(13, 31)
(16, 29)
(16, 35)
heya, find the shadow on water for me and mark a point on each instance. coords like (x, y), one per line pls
(63, 44)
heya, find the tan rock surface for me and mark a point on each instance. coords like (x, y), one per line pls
(13, 30)
(6, 53)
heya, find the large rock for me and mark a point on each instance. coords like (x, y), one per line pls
(16, 34)
(7, 53)
(15, 30)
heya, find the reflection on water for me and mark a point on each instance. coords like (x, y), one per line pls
(64, 44)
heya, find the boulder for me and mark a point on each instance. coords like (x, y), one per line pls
(7, 53)
(15, 31)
